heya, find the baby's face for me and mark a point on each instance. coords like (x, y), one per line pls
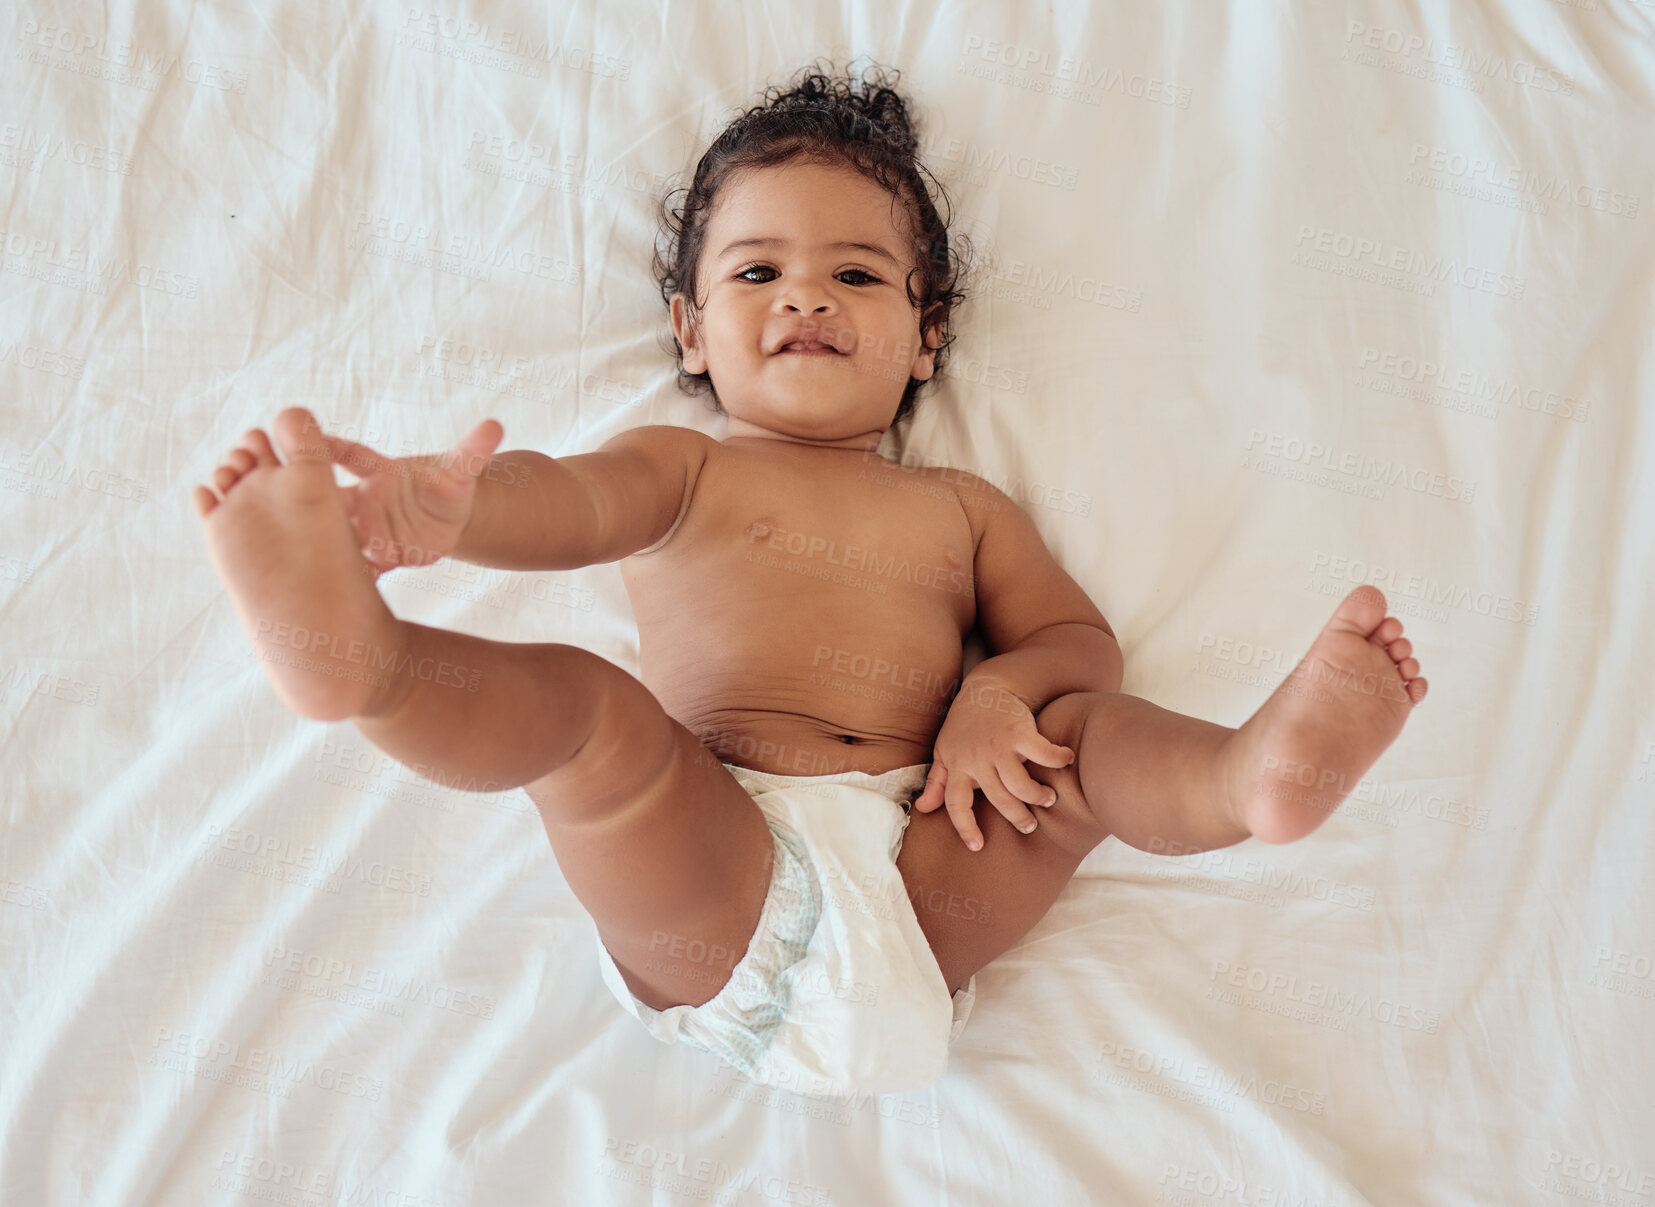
(778, 264)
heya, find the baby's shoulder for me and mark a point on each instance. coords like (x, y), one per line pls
(977, 497)
(974, 490)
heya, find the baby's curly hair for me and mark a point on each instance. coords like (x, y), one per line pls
(855, 119)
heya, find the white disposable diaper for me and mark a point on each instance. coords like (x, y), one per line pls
(838, 991)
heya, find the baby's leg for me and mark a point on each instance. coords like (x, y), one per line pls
(1168, 784)
(1174, 785)
(660, 844)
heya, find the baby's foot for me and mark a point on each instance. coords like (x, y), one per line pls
(283, 544)
(1300, 755)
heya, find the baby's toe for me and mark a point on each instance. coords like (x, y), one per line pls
(1408, 668)
(240, 460)
(203, 499)
(1388, 631)
(1416, 689)
(1357, 610)
(256, 442)
(225, 477)
(1399, 649)
(301, 436)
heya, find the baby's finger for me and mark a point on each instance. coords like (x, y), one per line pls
(1038, 749)
(931, 797)
(473, 451)
(1023, 785)
(380, 555)
(358, 458)
(353, 507)
(1012, 809)
(961, 796)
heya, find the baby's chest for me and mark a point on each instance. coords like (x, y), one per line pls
(864, 540)
(871, 518)
(858, 565)
(881, 555)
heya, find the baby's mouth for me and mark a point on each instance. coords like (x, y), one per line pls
(812, 340)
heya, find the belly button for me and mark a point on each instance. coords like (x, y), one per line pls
(757, 530)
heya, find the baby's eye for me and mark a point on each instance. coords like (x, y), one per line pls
(745, 275)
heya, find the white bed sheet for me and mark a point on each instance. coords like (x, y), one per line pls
(249, 959)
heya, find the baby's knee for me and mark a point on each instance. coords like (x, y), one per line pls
(1063, 719)
(1071, 822)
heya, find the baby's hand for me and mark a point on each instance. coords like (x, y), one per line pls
(982, 744)
(411, 511)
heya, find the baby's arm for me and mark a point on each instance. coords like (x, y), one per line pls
(534, 512)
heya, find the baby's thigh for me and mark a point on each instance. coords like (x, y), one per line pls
(661, 845)
(974, 905)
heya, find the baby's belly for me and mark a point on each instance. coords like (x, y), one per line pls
(802, 744)
(807, 686)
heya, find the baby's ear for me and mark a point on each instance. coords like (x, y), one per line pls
(689, 339)
(925, 356)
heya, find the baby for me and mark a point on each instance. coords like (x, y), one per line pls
(776, 829)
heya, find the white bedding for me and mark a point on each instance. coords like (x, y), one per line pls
(247, 958)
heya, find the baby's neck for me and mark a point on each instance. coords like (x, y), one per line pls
(741, 430)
